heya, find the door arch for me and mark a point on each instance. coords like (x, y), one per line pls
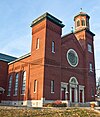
(73, 86)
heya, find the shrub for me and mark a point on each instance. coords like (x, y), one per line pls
(57, 103)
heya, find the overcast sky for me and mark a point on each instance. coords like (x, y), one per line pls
(17, 15)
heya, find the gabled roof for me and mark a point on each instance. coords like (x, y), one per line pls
(67, 38)
(66, 35)
(6, 58)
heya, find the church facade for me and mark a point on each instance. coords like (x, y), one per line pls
(57, 68)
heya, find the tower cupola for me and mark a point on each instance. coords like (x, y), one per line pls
(81, 21)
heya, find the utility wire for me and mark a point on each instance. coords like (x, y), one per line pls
(57, 66)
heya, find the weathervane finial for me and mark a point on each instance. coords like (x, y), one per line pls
(80, 9)
(72, 29)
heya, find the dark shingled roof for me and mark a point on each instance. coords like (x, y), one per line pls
(6, 58)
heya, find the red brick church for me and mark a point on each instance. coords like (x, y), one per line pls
(57, 68)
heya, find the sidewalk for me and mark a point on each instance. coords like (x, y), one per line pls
(97, 108)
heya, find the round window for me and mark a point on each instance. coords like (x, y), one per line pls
(72, 58)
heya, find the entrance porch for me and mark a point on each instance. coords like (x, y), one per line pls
(72, 91)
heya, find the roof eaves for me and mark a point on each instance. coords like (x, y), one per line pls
(6, 58)
(85, 30)
(48, 16)
(66, 35)
(81, 15)
(20, 58)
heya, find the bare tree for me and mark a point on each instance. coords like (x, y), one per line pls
(98, 87)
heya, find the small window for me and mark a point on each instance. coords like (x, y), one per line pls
(78, 23)
(53, 47)
(52, 86)
(83, 22)
(24, 82)
(89, 48)
(87, 23)
(16, 84)
(9, 85)
(37, 43)
(92, 92)
(35, 86)
(91, 67)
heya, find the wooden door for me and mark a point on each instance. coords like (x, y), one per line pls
(81, 96)
(63, 93)
(73, 95)
(0, 97)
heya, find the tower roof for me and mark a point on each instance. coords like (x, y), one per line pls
(82, 14)
(48, 16)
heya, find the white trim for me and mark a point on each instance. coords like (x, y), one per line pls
(53, 52)
(75, 86)
(70, 94)
(8, 95)
(75, 93)
(73, 78)
(22, 94)
(14, 94)
(81, 87)
(2, 89)
(64, 85)
(52, 92)
(29, 103)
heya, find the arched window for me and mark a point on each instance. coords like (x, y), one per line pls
(16, 84)
(37, 43)
(83, 22)
(35, 86)
(92, 92)
(78, 23)
(89, 48)
(53, 47)
(87, 23)
(24, 82)
(90, 67)
(9, 85)
(52, 86)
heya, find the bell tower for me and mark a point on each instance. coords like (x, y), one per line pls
(81, 21)
(86, 40)
(82, 28)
